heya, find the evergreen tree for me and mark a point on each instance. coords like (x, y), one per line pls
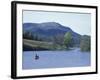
(85, 44)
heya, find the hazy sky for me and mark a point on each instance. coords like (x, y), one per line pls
(78, 22)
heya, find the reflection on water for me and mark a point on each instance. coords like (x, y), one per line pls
(55, 59)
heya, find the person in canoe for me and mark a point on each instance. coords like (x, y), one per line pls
(36, 57)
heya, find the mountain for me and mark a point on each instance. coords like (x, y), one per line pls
(47, 30)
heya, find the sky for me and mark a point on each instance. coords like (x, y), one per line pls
(78, 22)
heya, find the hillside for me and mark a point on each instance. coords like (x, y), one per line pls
(34, 45)
(49, 32)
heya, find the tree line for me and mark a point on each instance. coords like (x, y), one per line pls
(31, 36)
(64, 40)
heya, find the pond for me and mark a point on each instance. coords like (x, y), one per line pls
(55, 59)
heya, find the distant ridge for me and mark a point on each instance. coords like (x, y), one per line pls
(47, 30)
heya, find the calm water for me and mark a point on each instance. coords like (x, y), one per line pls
(55, 59)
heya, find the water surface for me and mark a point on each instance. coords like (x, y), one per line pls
(55, 59)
